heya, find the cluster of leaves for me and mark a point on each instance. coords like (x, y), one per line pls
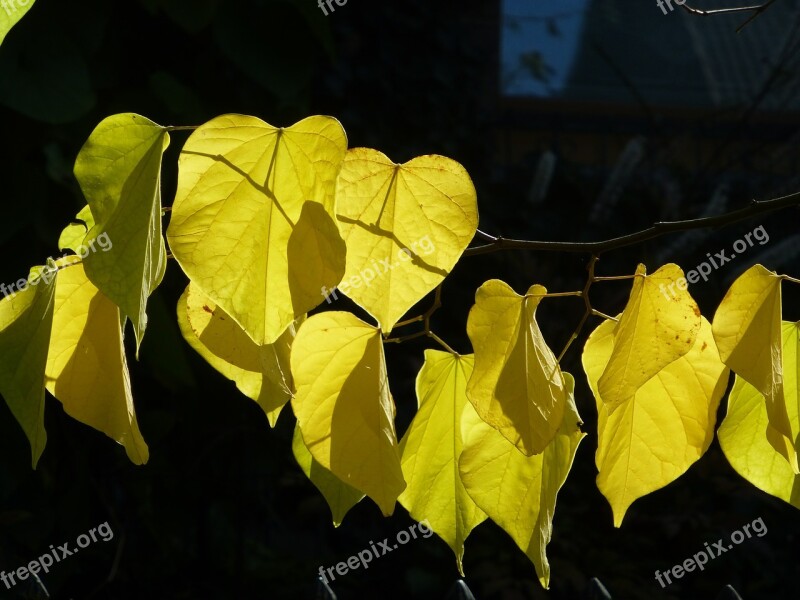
(266, 220)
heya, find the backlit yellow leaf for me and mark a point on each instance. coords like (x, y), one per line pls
(431, 447)
(86, 366)
(262, 373)
(344, 406)
(517, 386)
(339, 496)
(12, 11)
(405, 227)
(743, 436)
(747, 328)
(658, 326)
(666, 427)
(253, 223)
(119, 169)
(25, 324)
(73, 234)
(519, 492)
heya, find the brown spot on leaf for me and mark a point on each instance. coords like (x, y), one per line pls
(208, 309)
(705, 345)
(696, 310)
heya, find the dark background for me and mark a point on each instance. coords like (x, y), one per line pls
(221, 510)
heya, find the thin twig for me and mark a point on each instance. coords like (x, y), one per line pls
(405, 338)
(562, 294)
(485, 236)
(720, 11)
(756, 207)
(441, 343)
(754, 16)
(615, 278)
(426, 319)
(597, 313)
(589, 281)
(426, 316)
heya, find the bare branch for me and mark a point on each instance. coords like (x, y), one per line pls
(755, 208)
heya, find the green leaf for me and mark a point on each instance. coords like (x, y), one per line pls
(253, 224)
(431, 447)
(119, 169)
(25, 324)
(339, 496)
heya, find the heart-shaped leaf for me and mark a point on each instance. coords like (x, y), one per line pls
(405, 227)
(652, 439)
(253, 223)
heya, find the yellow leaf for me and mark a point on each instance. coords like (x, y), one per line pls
(658, 326)
(25, 324)
(12, 11)
(430, 450)
(666, 427)
(260, 372)
(517, 386)
(73, 234)
(339, 496)
(743, 436)
(119, 169)
(405, 227)
(253, 223)
(519, 492)
(86, 367)
(747, 328)
(344, 406)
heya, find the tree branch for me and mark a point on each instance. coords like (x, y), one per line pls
(756, 10)
(755, 208)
